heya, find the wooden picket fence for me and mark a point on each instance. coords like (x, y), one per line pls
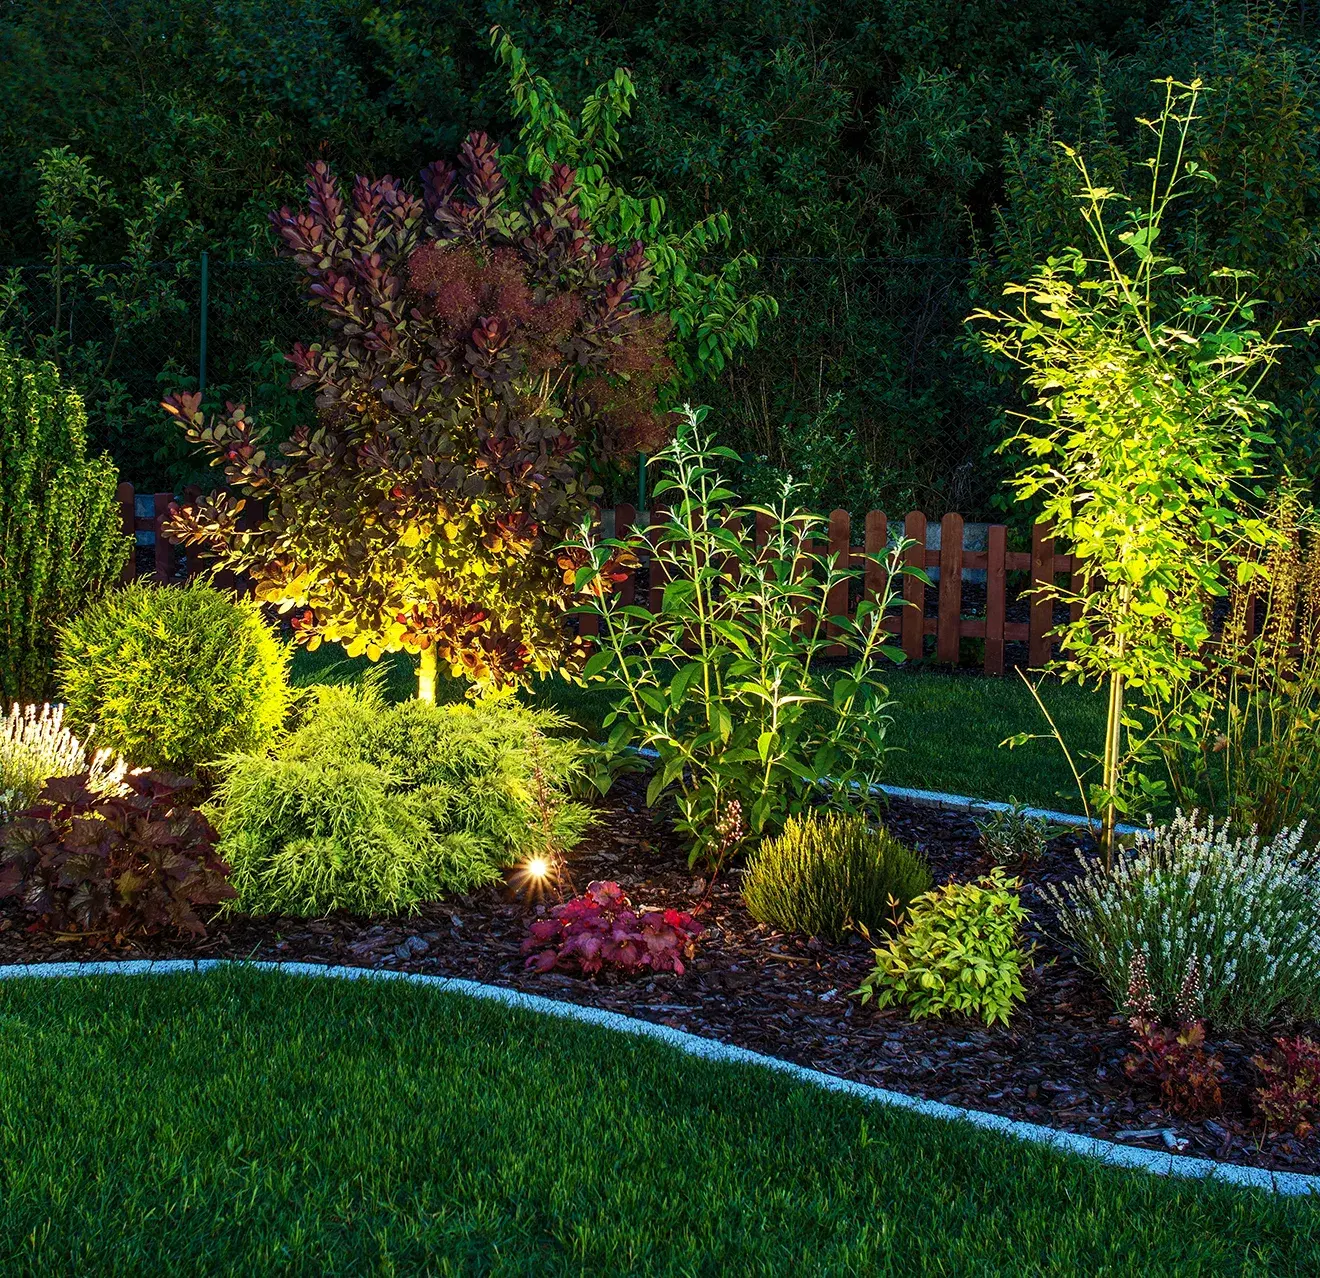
(911, 624)
(169, 562)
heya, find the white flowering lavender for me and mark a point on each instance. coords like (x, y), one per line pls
(35, 746)
(1245, 913)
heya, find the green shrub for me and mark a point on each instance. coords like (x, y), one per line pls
(960, 951)
(1012, 836)
(726, 680)
(60, 543)
(175, 676)
(36, 746)
(306, 836)
(1240, 911)
(830, 872)
(375, 808)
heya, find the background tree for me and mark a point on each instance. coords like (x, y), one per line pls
(863, 151)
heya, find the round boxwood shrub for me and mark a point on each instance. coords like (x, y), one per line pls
(174, 677)
(830, 872)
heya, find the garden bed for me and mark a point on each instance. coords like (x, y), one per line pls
(1058, 1063)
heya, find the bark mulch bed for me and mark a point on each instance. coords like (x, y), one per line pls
(1058, 1063)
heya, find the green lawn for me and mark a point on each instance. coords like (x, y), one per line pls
(247, 1123)
(946, 732)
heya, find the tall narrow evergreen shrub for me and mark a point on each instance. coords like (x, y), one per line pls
(60, 543)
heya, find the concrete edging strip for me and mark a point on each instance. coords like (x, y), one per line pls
(964, 803)
(1127, 1156)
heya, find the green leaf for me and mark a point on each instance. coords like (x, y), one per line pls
(597, 662)
(682, 681)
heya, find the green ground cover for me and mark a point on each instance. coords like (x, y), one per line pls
(242, 1122)
(946, 732)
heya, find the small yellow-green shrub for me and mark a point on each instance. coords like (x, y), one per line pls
(174, 677)
(827, 873)
(375, 808)
(960, 951)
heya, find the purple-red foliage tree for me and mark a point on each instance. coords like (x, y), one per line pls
(486, 359)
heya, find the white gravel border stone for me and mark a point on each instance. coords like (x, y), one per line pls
(1129, 1156)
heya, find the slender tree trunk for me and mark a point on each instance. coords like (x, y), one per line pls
(1113, 743)
(426, 675)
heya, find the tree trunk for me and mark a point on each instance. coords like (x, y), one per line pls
(426, 675)
(1113, 745)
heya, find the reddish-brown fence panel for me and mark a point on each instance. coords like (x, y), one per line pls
(948, 626)
(164, 554)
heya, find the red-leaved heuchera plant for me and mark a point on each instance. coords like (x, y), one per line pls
(1177, 1060)
(109, 867)
(601, 929)
(1289, 1098)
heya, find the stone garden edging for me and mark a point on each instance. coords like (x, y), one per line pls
(1103, 1151)
(964, 803)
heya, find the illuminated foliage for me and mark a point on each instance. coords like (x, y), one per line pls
(601, 929)
(487, 357)
(111, 866)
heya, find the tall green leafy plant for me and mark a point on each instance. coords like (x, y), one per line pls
(711, 313)
(60, 543)
(726, 680)
(1248, 741)
(1143, 447)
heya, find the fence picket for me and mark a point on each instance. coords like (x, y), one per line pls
(875, 547)
(125, 496)
(913, 617)
(625, 516)
(836, 602)
(995, 597)
(160, 505)
(949, 631)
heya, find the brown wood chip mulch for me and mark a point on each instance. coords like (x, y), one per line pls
(1058, 1063)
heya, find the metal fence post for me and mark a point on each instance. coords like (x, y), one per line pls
(201, 345)
(641, 482)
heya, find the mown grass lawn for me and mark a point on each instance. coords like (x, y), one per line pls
(946, 730)
(244, 1122)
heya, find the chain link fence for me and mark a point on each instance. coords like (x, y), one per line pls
(862, 388)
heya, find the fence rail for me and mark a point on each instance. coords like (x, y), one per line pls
(970, 597)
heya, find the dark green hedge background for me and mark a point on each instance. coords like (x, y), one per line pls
(890, 162)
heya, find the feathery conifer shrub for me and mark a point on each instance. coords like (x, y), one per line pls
(375, 808)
